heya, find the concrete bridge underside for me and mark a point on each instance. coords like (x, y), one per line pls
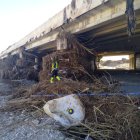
(100, 31)
(101, 25)
(111, 36)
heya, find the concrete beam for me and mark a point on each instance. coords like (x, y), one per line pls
(111, 12)
(86, 16)
(20, 52)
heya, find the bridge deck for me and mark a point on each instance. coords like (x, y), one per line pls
(98, 16)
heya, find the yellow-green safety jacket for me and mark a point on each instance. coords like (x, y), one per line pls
(54, 65)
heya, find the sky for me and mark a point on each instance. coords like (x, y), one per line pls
(19, 17)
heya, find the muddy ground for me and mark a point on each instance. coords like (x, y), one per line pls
(23, 125)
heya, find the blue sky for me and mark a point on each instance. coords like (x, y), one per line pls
(20, 17)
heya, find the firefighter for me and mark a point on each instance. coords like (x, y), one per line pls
(54, 71)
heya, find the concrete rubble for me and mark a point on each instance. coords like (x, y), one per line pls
(68, 110)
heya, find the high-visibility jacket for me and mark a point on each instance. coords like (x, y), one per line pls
(54, 65)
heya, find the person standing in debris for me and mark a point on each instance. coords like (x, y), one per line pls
(54, 71)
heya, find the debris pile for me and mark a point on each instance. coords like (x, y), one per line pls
(6, 66)
(107, 117)
(112, 117)
(75, 62)
(26, 97)
(15, 68)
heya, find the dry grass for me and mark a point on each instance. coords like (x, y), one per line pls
(74, 61)
(107, 117)
(114, 117)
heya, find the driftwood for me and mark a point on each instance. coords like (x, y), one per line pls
(73, 62)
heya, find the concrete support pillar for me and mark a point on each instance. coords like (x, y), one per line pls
(93, 65)
(21, 55)
(36, 60)
(20, 51)
(137, 61)
(132, 62)
(62, 44)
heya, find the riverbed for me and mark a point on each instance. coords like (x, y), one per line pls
(23, 125)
